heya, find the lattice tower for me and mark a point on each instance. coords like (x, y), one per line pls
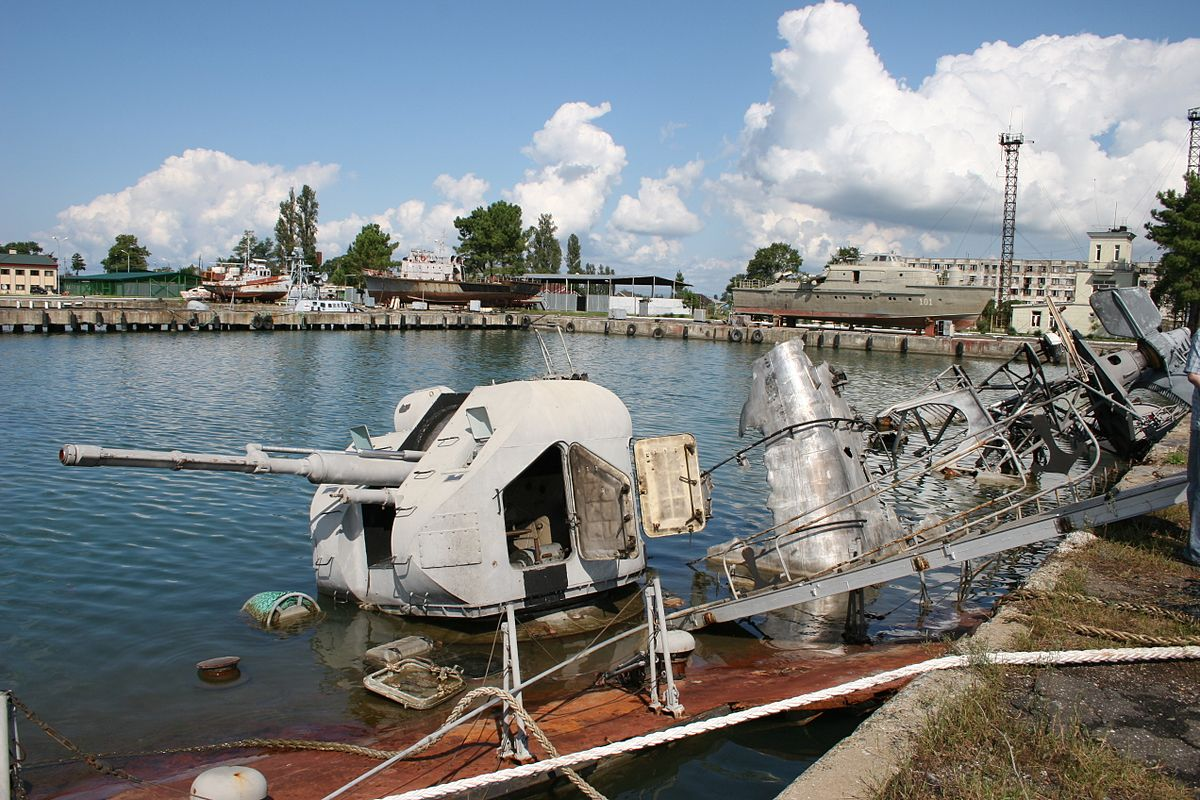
(1011, 143)
(1193, 167)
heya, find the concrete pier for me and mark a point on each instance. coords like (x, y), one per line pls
(86, 316)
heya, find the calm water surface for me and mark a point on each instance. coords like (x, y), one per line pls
(114, 583)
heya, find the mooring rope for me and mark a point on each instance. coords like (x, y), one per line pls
(1083, 629)
(1043, 658)
(1122, 605)
(495, 692)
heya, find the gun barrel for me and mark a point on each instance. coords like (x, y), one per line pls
(318, 466)
(89, 455)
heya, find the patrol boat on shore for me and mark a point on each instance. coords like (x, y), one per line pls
(881, 290)
(429, 277)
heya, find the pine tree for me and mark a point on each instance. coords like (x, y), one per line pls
(545, 253)
(306, 224)
(574, 257)
(1177, 232)
(287, 229)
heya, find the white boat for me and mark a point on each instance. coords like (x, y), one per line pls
(309, 305)
(251, 281)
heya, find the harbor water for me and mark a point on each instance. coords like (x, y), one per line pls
(114, 583)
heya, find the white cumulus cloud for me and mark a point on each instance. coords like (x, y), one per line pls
(195, 205)
(412, 223)
(658, 209)
(578, 165)
(843, 153)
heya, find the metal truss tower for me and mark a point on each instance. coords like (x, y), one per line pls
(1193, 167)
(1011, 143)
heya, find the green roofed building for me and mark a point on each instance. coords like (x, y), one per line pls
(131, 284)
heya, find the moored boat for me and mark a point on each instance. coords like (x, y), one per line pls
(880, 290)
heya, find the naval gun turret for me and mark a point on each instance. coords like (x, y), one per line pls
(521, 493)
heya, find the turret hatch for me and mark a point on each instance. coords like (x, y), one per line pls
(670, 490)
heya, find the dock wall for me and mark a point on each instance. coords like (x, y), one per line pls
(91, 316)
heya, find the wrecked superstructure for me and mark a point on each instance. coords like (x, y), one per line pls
(823, 513)
(1032, 439)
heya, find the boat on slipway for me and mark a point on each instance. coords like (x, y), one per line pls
(527, 496)
(247, 282)
(879, 290)
(425, 276)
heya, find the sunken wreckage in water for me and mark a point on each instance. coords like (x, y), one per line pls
(526, 495)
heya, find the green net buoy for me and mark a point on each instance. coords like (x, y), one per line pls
(270, 609)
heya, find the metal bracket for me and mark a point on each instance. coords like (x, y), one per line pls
(514, 745)
(656, 645)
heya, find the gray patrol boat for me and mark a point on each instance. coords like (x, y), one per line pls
(880, 290)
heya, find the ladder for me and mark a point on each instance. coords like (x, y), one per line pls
(1113, 506)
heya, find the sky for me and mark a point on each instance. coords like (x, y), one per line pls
(669, 136)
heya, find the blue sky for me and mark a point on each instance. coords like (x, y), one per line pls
(667, 135)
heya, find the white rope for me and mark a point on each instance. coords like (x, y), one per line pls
(1043, 658)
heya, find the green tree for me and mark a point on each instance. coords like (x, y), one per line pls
(126, 254)
(306, 224)
(371, 249)
(23, 248)
(77, 263)
(492, 239)
(1176, 229)
(573, 255)
(689, 298)
(287, 229)
(260, 249)
(846, 255)
(545, 252)
(772, 260)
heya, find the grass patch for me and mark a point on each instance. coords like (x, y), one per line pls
(1161, 533)
(996, 741)
(980, 747)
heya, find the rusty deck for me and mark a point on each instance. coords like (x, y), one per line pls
(586, 719)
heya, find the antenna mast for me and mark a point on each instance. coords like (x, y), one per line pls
(1193, 167)
(1011, 143)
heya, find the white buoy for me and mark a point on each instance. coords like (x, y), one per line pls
(229, 783)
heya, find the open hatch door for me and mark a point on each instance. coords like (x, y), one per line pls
(670, 490)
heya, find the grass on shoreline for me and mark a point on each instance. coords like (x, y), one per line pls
(990, 743)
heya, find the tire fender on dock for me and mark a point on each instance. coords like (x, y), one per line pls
(630, 329)
(570, 327)
(657, 333)
(757, 336)
(734, 335)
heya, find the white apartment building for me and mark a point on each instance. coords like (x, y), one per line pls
(1069, 283)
